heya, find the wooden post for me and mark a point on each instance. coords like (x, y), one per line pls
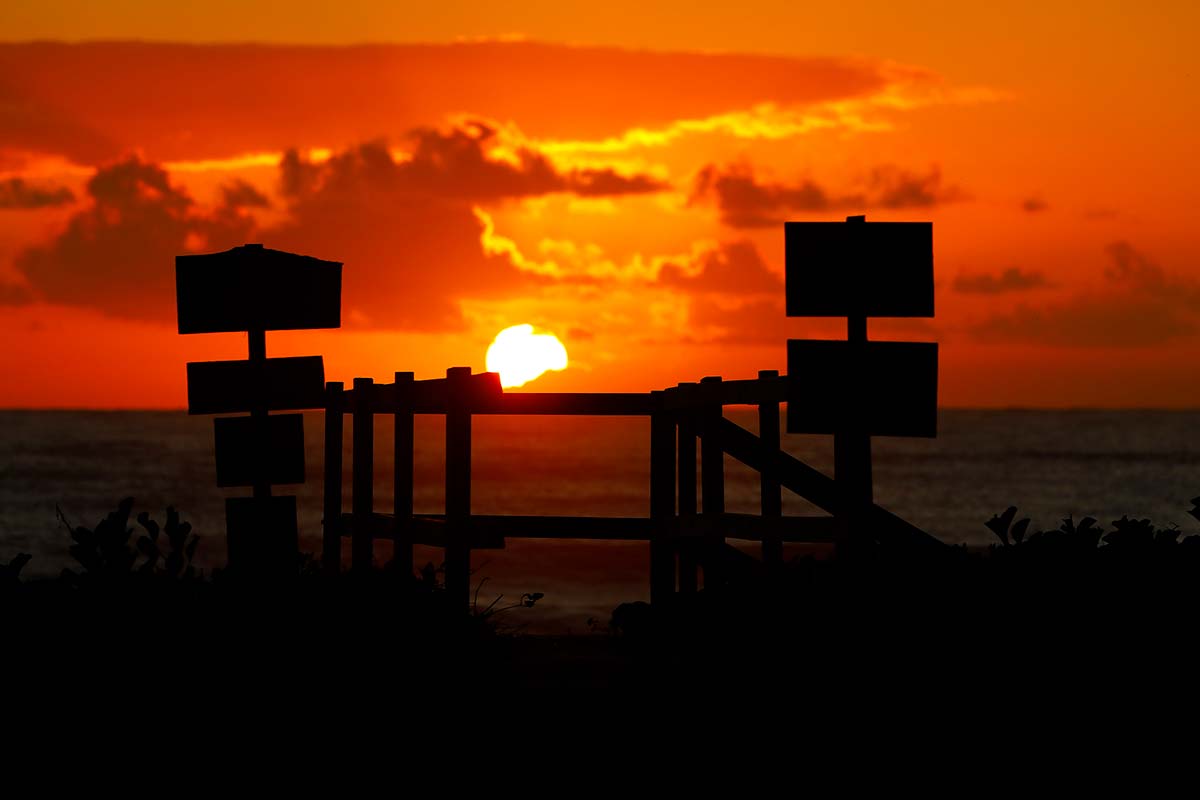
(331, 543)
(662, 505)
(458, 486)
(258, 412)
(402, 477)
(770, 492)
(852, 447)
(712, 484)
(852, 463)
(363, 498)
(688, 563)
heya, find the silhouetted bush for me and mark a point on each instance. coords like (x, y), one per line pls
(105, 553)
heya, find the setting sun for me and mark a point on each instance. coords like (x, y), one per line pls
(520, 355)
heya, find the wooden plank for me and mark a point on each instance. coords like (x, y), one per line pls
(769, 491)
(482, 395)
(725, 393)
(255, 288)
(261, 535)
(458, 488)
(331, 545)
(580, 403)
(362, 499)
(712, 487)
(868, 269)
(876, 388)
(402, 474)
(754, 528)
(689, 561)
(662, 507)
(431, 396)
(240, 455)
(821, 490)
(491, 530)
(273, 384)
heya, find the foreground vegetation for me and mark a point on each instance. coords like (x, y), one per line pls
(1080, 599)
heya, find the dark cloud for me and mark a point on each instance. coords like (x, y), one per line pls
(93, 101)
(893, 187)
(752, 322)
(411, 248)
(1033, 205)
(458, 163)
(1141, 305)
(746, 202)
(117, 255)
(240, 194)
(734, 268)
(12, 294)
(407, 225)
(580, 335)
(15, 193)
(32, 121)
(1012, 279)
(404, 227)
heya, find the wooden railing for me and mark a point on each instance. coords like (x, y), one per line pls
(684, 541)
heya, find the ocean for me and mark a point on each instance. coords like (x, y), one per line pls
(1047, 463)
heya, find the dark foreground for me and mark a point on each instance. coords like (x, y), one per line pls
(1056, 621)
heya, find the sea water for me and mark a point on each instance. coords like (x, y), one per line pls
(1050, 464)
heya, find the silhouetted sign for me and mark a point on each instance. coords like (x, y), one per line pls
(252, 288)
(875, 388)
(261, 533)
(244, 460)
(277, 384)
(859, 269)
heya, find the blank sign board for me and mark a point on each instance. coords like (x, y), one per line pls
(274, 384)
(253, 288)
(877, 388)
(859, 269)
(246, 457)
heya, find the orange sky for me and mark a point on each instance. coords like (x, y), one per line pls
(617, 175)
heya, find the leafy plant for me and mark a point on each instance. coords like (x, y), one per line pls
(105, 552)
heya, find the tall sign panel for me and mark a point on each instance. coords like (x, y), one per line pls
(856, 389)
(253, 289)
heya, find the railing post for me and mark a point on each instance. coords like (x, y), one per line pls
(770, 492)
(402, 480)
(362, 500)
(662, 504)
(458, 486)
(331, 542)
(712, 482)
(688, 563)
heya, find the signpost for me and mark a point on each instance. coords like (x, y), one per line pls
(253, 289)
(856, 389)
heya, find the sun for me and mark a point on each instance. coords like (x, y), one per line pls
(520, 355)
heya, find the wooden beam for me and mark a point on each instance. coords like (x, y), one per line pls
(819, 489)
(458, 487)
(769, 491)
(689, 562)
(331, 545)
(662, 507)
(362, 498)
(402, 475)
(712, 484)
